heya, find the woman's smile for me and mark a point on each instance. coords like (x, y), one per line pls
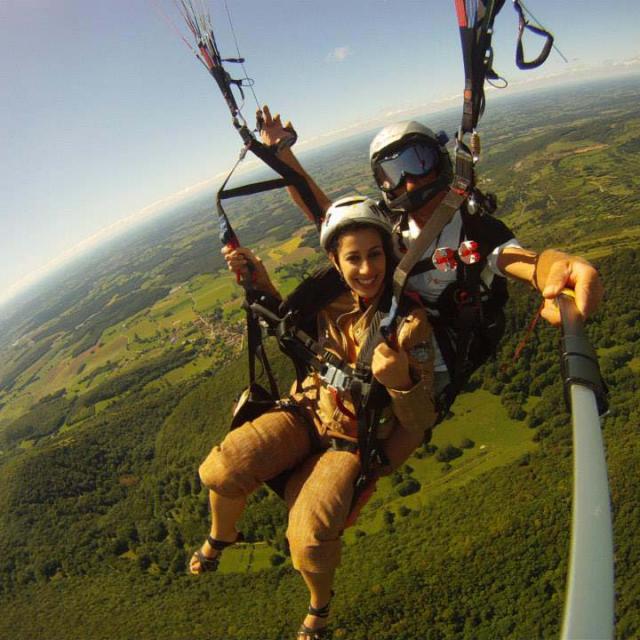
(367, 282)
(362, 261)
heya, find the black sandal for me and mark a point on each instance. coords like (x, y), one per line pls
(208, 563)
(306, 633)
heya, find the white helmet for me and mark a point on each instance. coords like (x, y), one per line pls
(397, 133)
(409, 148)
(349, 210)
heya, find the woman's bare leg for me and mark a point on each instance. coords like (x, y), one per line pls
(249, 455)
(225, 513)
(319, 585)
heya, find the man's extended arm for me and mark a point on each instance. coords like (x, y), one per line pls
(552, 271)
(273, 132)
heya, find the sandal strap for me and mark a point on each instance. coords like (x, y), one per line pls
(321, 612)
(306, 633)
(219, 545)
(207, 563)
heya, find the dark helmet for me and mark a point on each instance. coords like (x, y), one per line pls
(409, 148)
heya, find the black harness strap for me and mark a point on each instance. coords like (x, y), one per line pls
(289, 177)
(369, 399)
(476, 30)
(436, 223)
(256, 351)
(255, 400)
(250, 189)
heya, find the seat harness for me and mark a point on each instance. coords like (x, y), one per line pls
(368, 395)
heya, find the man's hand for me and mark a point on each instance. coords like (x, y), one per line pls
(273, 132)
(552, 271)
(574, 273)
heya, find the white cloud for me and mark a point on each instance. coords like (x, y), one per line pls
(339, 54)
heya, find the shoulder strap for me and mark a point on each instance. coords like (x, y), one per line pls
(369, 400)
(431, 230)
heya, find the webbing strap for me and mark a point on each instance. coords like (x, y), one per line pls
(431, 230)
(436, 223)
(290, 176)
(250, 189)
(368, 400)
(475, 18)
(255, 350)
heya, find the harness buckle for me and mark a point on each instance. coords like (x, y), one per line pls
(334, 377)
(470, 313)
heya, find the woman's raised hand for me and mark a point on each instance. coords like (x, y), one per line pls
(238, 260)
(242, 260)
(245, 264)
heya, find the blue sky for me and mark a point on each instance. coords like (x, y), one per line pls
(104, 111)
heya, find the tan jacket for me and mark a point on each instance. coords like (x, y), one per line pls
(342, 329)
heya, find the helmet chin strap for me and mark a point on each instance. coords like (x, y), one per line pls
(412, 200)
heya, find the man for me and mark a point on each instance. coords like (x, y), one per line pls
(413, 170)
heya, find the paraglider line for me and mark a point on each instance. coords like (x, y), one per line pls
(250, 82)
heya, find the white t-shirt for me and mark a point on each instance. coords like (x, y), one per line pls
(493, 237)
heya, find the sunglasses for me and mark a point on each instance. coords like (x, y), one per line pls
(418, 159)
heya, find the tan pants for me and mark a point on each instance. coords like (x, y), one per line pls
(318, 493)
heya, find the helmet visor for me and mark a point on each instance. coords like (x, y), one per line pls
(418, 159)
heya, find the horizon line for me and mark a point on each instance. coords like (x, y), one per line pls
(156, 208)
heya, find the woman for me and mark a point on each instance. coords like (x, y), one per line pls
(319, 440)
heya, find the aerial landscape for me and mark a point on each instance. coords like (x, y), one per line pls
(119, 373)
